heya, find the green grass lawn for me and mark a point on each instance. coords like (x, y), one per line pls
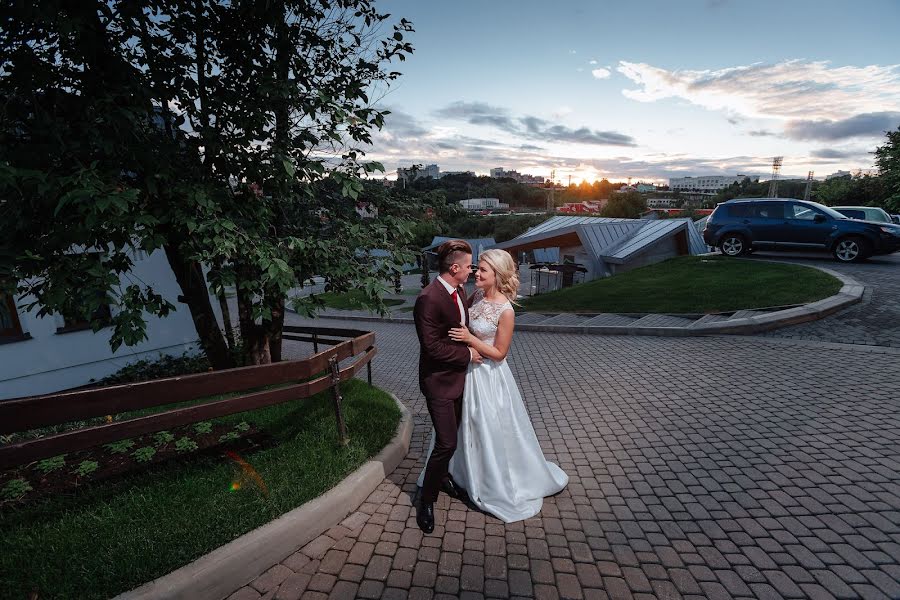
(352, 300)
(112, 536)
(692, 284)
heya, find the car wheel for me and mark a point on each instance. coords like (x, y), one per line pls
(851, 249)
(733, 244)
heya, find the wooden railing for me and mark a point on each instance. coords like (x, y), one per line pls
(299, 379)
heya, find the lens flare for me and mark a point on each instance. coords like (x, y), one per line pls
(249, 473)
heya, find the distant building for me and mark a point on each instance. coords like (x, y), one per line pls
(661, 202)
(482, 204)
(645, 187)
(837, 174)
(525, 178)
(705, 183)
(411, 174)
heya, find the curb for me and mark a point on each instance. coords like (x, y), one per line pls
(218, 574)
(850, 293)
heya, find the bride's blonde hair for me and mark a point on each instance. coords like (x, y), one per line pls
(505, 272)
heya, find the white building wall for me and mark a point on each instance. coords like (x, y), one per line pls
(482, 203)
(51, 361)
(704, 183)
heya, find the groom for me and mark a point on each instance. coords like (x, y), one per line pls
(441, 306)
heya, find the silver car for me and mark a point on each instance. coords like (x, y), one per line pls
(872, 214)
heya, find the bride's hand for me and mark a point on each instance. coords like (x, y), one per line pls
(461, 334)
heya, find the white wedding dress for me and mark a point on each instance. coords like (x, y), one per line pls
(498, 459)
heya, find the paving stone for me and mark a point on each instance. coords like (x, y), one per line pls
(271, 579)
(772, 475)
(343, 590)
(245, 593)
(519, 583)
(317, 548)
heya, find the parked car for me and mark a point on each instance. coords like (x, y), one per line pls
(895, 219)
(737, 226)
(864, 213)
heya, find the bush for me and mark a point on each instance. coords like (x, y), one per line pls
(165, 366)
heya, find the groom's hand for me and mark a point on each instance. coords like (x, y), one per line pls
(475, 357)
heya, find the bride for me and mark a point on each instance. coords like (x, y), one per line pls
(498, 459)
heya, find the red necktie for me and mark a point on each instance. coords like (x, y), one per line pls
(455, 297)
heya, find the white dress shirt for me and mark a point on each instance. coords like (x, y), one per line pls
(450, 289)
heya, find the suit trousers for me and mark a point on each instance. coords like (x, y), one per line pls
(445, 415)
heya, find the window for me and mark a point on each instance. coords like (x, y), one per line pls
(10, 328)
(79, 323)
(853, 214)
(741, 211)
(801, 213)
(770, 210)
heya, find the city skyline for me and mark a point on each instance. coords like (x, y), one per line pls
(651, 90)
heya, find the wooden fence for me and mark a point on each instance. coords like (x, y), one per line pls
(298, 379)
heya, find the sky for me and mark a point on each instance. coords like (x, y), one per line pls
(646, 89)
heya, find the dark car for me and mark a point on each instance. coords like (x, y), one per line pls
(737, 226)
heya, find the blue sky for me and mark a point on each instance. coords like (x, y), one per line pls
(643, 89)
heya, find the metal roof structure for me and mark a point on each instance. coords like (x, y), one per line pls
(608, 240)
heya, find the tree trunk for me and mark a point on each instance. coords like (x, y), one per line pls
(195, 294)
(276, 327)
(255, 337)
(226, 318)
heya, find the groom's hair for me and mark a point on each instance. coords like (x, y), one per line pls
(450, 252)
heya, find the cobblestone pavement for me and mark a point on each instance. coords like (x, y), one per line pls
(874, 321)
(715, 467)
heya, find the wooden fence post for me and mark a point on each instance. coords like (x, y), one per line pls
(336, 396)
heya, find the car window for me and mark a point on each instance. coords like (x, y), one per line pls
(801, 212)
(770, 210)
(876, 214)
(744, 211)
(853, 214)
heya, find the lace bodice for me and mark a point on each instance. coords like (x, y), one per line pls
(484, 316)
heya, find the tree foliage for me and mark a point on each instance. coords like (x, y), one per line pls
(628, 205)
(227, 134)
(887, 159)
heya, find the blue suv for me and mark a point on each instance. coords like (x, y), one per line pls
(738, 226)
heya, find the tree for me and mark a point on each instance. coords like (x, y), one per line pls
(628, 205)
(227, 134)
(887, 159)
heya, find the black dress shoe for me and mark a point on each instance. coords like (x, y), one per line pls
(449, 487)
(425, 516)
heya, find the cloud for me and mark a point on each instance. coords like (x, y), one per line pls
(760, 133)
(601, 73)
(477, 113)
(593, 62)
(832, 153)
(789, 90)
(403, 124)
(864, 125)
(480, 113)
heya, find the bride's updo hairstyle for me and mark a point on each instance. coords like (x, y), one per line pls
(505, 272)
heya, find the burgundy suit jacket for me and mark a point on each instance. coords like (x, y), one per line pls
(442, 362)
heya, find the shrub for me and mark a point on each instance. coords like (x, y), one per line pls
(144, 454)
(52, 464)
(86, 468)
(15, 489)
